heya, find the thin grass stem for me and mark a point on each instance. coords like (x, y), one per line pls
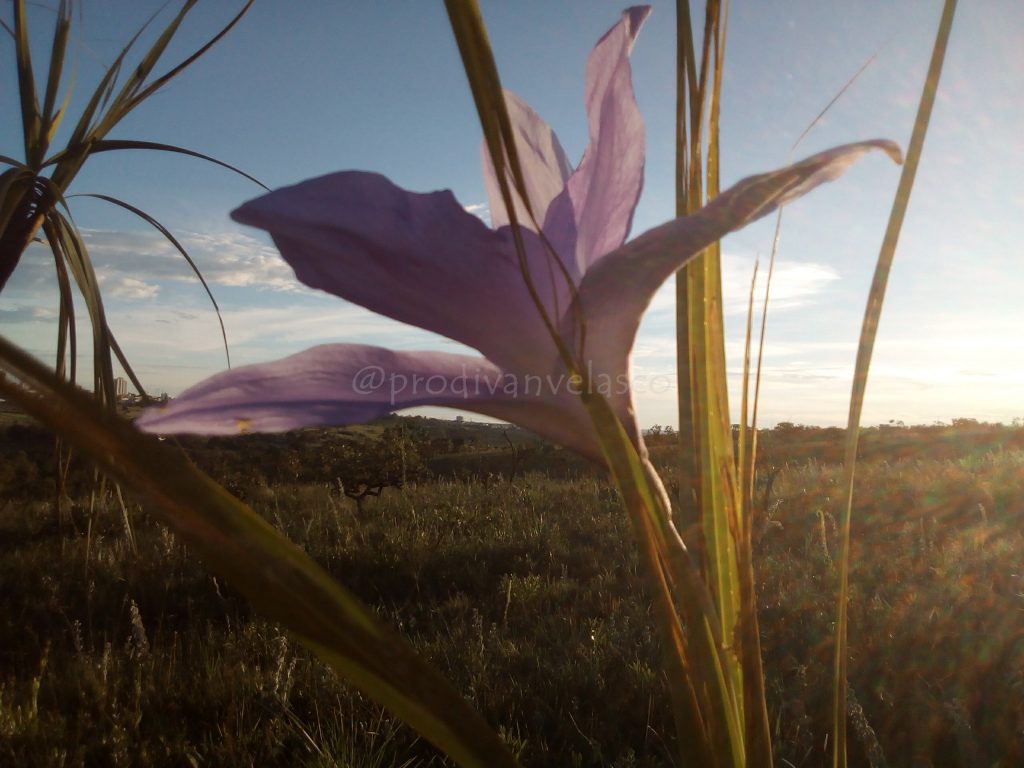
(865, 348)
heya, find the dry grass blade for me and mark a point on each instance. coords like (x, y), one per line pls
(57, 51)
(689, 464)
(129, 96)
(175, 71)
(744, 453)
(67, 337)
(29, 198)
(30, 118)
(839, 94)
(71, 248)
(869, 330)
(758, 729)
(63, 237)
(181, 249)
(14, 182)
(672, 578)
(708, 470)
(112, 145)
(485, 85)
(748, 489)
(277, 576)
(89, 130)
(128, 370)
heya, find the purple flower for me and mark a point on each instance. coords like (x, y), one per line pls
(423, 260)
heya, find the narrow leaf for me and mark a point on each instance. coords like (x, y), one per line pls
(57, 50)
(112, 145)
(129, 371)
(181, 249)
(30, 118)
(865, 348)
(175, 71)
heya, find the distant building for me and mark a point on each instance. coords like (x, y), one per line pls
(121, 387)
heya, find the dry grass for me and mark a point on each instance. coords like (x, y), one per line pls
(526, 595)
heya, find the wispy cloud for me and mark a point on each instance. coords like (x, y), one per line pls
(131, 288)
(26, 314)
(794, 285)
(133, 264)
(925, 371)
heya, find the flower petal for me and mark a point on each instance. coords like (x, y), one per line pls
(338, 384)
(328, 384)
(616, 290)
(541, 158)
(594, 215)
(418, 258)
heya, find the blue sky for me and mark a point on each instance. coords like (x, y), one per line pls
(291, 94)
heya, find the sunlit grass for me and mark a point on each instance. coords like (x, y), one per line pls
(528, 596)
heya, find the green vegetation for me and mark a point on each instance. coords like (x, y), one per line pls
(121, 649)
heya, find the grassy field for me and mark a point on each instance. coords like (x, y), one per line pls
(119, 649)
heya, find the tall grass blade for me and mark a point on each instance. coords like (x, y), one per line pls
(869, 330)
(29, 199)
(125, 100)
(181, 249)
(689, 468)
(839, 94)
(748, 488)
(57, 51)
(97, 101)
(485, 85)
(198, 53)
(708, 468)
(134, 91)
(744, 452)
(112, 145)
(698, 686)
(30, 118)
(67, 339)
(128, 370)
(713, 476)
(278, 577)
(63, 236)
(758, 727)
(701, 696)
(13, 184)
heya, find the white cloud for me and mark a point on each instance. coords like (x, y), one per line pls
(231, 259)
(956, 365)
(127, 287)
(26, 314)
(794, 284)
(228, 258)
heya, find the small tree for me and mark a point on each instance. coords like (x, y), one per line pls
(364, 469)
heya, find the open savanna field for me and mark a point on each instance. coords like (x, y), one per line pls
(512, 568)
